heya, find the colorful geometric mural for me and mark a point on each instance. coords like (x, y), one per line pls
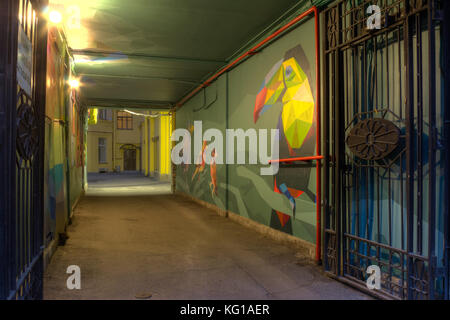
(274, 90)
(92, 116)
(54, 150)
(64, 141)
(288, 82)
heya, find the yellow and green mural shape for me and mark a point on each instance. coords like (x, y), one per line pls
(64, 140)
(287, 82)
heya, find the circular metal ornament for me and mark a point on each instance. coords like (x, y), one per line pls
(373, 139)
(27, 130)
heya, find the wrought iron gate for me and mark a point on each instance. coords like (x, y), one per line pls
(384, 178)
(23, 48)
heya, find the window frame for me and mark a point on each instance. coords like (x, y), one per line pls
(102, 147)
(102, 114)
(125, 119)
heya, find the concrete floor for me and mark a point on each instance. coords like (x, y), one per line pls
(175, 249)
(124, 184)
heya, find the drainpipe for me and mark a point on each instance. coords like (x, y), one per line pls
(113, 151)
(227, 175)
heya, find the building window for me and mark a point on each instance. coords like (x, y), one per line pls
(124, 121)
(102, 150)
(104, 114)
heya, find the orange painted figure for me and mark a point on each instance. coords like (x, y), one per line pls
(213, 183)
(200, 167)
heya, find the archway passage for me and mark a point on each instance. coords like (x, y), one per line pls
(128, 150)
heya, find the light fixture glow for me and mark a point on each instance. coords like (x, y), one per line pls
(55, 17)
(142, 114)
(74, 83)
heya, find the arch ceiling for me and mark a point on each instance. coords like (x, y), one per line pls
(153, 52)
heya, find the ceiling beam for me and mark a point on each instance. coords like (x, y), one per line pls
(101, 53)
(94, 75)
(110, 102)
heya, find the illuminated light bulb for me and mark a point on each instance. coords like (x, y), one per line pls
(55, 17)
(74, 84)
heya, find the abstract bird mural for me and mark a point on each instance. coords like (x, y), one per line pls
(288, 82)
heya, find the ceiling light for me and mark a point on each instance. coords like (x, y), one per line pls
(55, 17)
(74, 83)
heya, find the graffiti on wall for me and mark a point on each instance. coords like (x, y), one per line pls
(261, 96)
(54, 150)
(64, 156)
(288, 82)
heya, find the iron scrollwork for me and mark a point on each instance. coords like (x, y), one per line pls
(27, 128)
(373, 139)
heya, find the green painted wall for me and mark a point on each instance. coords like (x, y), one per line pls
(240, 188)
(195, 179)
(63, 141)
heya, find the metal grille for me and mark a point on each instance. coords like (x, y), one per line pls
(29, 153)
(22, 208)
(383, 145)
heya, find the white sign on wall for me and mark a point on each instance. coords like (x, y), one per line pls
(24, 61)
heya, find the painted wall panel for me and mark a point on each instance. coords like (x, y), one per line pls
(205, 182)
(63, 165)
(275, 89)
(56, 205)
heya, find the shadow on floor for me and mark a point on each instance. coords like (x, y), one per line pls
(174, 248)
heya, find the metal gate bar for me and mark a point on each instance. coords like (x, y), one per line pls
(376, 203)
(21, 204)
(446, 76)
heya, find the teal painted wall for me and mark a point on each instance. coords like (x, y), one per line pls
(195, 179)
(63, 163)
(240, 188)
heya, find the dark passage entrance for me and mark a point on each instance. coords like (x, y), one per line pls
(129, 159)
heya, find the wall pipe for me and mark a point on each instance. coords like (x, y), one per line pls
(254, 50)
(251, 52)
(312, 158)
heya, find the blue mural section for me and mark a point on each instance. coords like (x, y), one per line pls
(64, 157)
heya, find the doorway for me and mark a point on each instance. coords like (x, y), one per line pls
(129, 160)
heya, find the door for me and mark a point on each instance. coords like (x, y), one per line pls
(385, 203)
(23, 48)
(129, 160)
